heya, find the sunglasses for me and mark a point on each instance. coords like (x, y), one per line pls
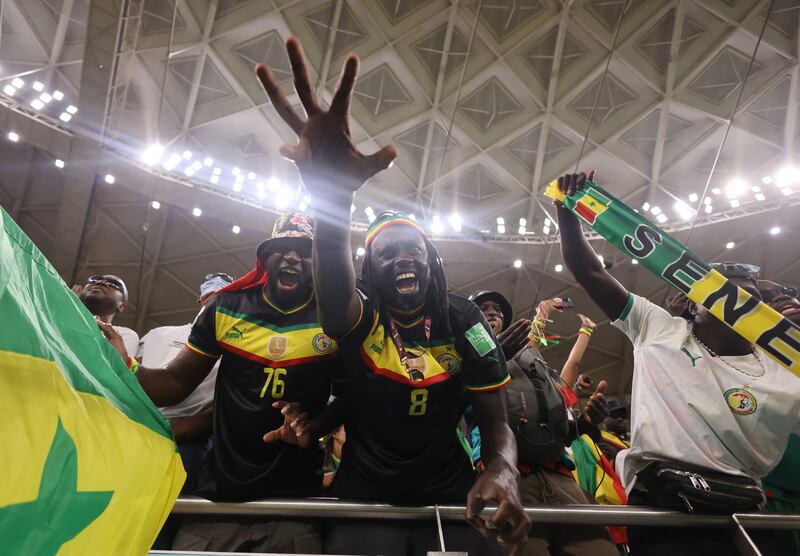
(737, 270)
(771, 294)
(111, 282)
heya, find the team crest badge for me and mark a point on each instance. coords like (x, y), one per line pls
(322, 343)
(449, 363)
(277, 347)
(740, 401)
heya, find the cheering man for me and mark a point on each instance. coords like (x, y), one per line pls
(704, 399)
(407, 346)
(264, 327)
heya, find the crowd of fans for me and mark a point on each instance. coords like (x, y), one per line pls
(301, 379)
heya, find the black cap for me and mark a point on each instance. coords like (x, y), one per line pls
(497, 297)
(615, 407)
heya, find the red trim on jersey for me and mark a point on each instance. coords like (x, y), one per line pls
(388, 373)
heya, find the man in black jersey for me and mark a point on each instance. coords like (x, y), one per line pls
(265, 328)
(408, 347)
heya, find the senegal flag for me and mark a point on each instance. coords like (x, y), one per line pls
(88, 464)
(591, 205)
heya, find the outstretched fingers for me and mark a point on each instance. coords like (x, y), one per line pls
(374, 163)
(301, 82)
(341, 100)
(278, 99)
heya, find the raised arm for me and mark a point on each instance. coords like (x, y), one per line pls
(570, 370)
(173, 383)
(332, 170)
(580, 258)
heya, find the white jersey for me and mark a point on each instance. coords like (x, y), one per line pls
(160, 346)
(130, 339)
(729, 414)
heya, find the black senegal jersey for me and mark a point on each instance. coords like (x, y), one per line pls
(267, 355)
(402, 444)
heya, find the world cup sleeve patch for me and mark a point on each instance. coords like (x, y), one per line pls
(480, 339)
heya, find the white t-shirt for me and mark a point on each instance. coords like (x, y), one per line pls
(160, 346)
(691, 407)
(129, 338)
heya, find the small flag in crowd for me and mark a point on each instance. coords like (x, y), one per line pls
(89, 465)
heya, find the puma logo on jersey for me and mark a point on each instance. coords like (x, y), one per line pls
(235, 333)
(690, 356)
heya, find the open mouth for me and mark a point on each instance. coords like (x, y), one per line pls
(406, 283)
(288, 277)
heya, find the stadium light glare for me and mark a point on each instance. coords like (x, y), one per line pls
(156, 205)
(71, 109)
(436, 225)
(65, 117)
(152, 154)
(735, 187)
(110, 179)
(455, 221)
(236, 229)
(559, 268)
(730, 245)
(45, 97)
(58, 95)
(13, 136)
(360, 252)
(517, 263)
(10, 90)
(775, 230)
(214, 179)
(59, 163)
(196, 211)
(187, 154)
(273, 184)
(37, 104)
(38, 86)
(18, 83)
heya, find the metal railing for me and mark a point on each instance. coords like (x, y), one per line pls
(578, 514)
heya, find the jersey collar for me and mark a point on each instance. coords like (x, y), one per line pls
(286, 311)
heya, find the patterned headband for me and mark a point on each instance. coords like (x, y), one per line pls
(391, 219)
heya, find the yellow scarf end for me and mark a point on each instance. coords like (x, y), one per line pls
(554, 192)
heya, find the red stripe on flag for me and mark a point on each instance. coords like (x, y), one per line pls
(585, 212)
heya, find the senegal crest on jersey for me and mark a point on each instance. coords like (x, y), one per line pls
(322, 343)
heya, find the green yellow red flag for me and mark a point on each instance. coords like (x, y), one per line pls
(89, 465)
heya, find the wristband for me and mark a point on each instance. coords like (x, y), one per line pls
(133, 365)
(585, 330)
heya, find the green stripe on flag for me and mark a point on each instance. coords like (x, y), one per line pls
(46, 319)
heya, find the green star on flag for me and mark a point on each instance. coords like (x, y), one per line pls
(59, 512)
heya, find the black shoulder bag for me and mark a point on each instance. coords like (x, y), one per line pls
(680, 486)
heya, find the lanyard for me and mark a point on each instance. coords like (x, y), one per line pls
(401, 349)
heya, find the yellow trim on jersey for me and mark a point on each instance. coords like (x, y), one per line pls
(273, 346)
(199, 351)
(490, 387)
(300, 307)
(436, 363)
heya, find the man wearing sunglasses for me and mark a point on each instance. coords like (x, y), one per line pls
(106, 296)
(704, 401)
(273, 354)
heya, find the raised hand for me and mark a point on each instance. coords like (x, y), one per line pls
(514, 338)
(295, 428)
(570, 183)
(596, 408)
(113, 338)
(587, 322)
(325, 153)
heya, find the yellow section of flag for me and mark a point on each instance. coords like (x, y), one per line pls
(130, 474)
